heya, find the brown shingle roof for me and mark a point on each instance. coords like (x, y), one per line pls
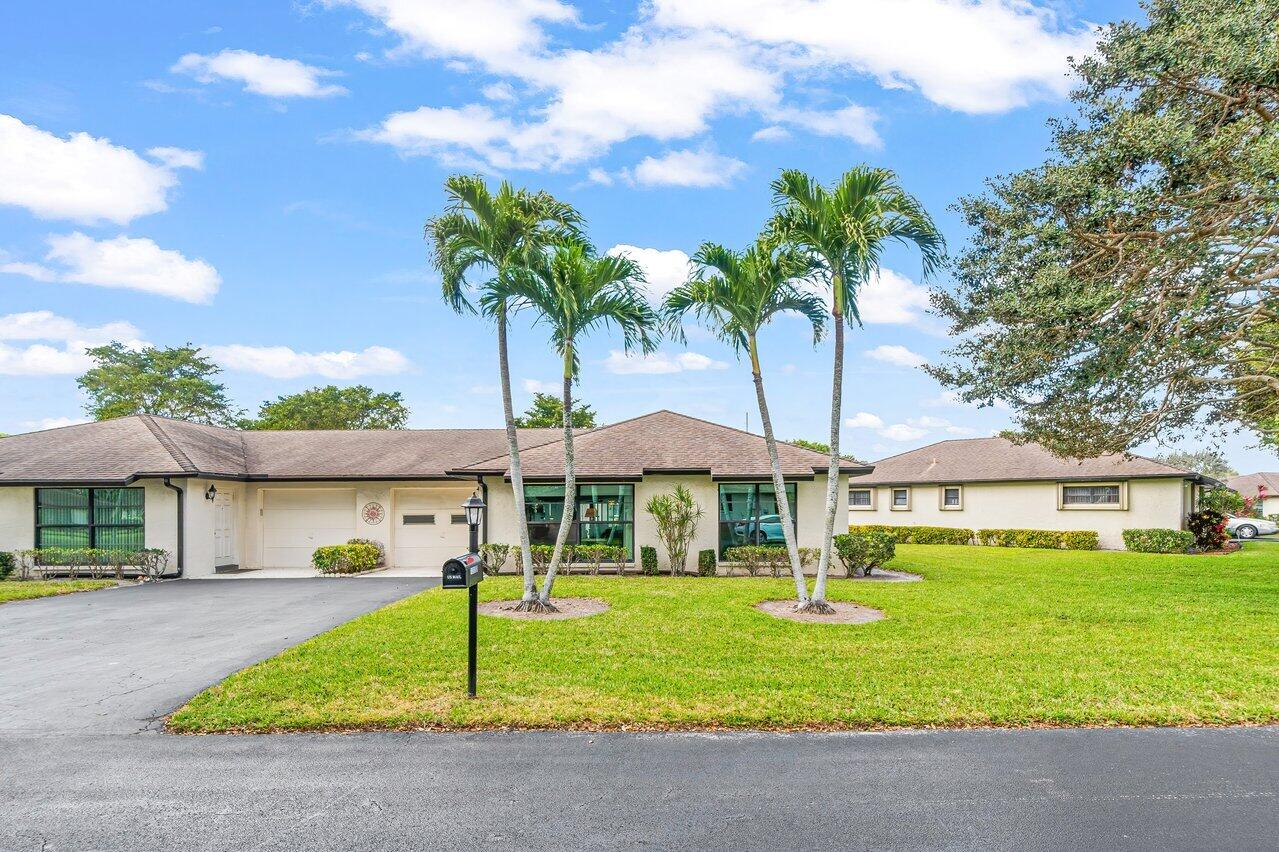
(998, 459)
(1249, 484)
(663, 442)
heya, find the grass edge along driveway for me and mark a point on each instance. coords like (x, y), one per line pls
(997, 637)
(15, 590)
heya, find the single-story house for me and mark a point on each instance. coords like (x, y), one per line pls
(223, 498)
(992, 483)
(1263, 487)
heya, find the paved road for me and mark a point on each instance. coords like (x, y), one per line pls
(114, 661)
(1032, 789)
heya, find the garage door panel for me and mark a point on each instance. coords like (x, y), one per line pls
(295, 523)
(423, 545)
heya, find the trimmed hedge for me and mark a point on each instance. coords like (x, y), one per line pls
(706, 563)
(6, 564)
(862, 552)
(772, 558)
(918, 535)
(71, 562)
(349, 558)
(381, 548)
(648, 560)
(1159, 540)
(494, 556)
(1048, 539)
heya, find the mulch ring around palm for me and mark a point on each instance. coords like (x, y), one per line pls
(845, 613)
(566, 608)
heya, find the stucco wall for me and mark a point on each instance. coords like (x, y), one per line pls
(1270, 506)
(810, 500)
(1034, 505)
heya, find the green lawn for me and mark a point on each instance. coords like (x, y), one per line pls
(13, 590)
(992, 637)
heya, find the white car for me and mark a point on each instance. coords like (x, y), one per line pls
(1246, 528)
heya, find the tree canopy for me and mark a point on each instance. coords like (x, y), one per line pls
(331, 407)
(1123, 290)
(175, 382)
(1209, 462)
(547, 412)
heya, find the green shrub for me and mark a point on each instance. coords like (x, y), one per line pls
(706, 563)
(345, 558)
(753, 558)
(918, 535)
(1048, 539)
(494, 556)
(618, 555)
(1209, 529)
(593, 555)
(1159, 540)
(381, 548)
(1222, 500)
(542, 554)
(7, 563)
(648, 560)
(862, 552)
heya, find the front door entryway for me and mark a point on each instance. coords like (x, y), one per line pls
(224, 555)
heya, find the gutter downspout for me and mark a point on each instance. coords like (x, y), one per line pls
(181, 492)
(484, 523)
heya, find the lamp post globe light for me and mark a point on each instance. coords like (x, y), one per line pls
(474, 508)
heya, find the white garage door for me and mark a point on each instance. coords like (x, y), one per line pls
(429, 526)
(295, 523)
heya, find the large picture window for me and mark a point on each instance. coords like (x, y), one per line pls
(748, 514)
(605, 515)
(1101, 495)
(106, 518)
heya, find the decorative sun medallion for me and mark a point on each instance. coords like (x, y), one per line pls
(373, 513)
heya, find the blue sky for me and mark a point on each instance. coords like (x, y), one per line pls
(253, 177)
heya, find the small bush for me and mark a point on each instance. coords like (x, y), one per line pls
(1222, 500)
(381, 548)
(619, 556)
(345, 558)
(752, 557)
(1048, 539)
(6, 564)
(592, 555)
(648, 560)
(1158, 541)
(542, 554)
(706, 563)
(862, 552)
(918, 535)
(494, 556)
(1208, 526)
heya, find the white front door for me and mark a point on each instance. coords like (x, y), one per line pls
(224, 530)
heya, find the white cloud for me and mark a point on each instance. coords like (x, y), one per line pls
(538, 386)
(657, 363)
(469, 134)
(851, 122)
(501, 91)
(961, 431)
(864, 420)
(53, 422)
(891, 298)
(281, 362)
(84, 178)
(260, 74)
(687, 167)
(600, 176)
(68, 358)
(123, 262)
(979, 56)
(663, 270)
(902, 432)
(899, 355)
(772, 133)
(951, 399)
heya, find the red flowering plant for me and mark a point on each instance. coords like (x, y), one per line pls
(1209, 529)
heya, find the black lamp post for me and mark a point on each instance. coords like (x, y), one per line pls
(474, 508)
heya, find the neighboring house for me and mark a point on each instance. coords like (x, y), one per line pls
(1264, 487)
(218, 497)
(988, 483)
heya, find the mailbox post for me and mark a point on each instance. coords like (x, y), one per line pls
(466, 572)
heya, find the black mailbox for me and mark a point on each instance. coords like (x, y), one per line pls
(463, 572)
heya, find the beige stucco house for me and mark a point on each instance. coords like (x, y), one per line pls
(222, 499)
(992, 483)
(1263, 487)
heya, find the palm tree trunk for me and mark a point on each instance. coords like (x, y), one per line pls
(818, 602)
(570, 484)
(517, 473)
(779, 484)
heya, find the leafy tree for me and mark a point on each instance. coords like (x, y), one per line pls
(736, 294)
(845, 229)
(1125, 289)
(675, 514)
(819, 447)
(331, 407)
(1209, 462)
(547, 411)
(574, 292)
(490, 237)
(172, 382)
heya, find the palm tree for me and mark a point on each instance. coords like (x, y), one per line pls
(574, 291)
(736, 295)
(495, 235)
(845, 229)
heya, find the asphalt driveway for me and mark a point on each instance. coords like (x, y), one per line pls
(117, 661)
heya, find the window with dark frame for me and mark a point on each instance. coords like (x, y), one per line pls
(605, 514)
(859, 497)
(901, 498)
(1090, 495)
(950, 497)
(749, 514)
(104, 518)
